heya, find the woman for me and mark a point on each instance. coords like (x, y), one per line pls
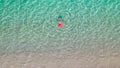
(59, 22)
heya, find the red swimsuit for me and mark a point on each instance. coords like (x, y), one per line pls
(59, 24)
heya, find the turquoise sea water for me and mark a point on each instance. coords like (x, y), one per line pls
(88, 26)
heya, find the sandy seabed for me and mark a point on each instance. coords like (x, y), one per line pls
(58, 60)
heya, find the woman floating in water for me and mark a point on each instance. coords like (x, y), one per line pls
(59, 24)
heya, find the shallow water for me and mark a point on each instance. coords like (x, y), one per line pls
(91, 27)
